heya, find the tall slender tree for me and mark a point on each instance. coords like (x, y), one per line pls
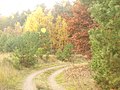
(59, 34)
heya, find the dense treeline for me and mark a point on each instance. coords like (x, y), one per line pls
(10, 21)
(38, 35)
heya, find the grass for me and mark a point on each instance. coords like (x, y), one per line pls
(8, 74)
(11, 78)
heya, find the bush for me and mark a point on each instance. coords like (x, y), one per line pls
(106, 58)
(65, 53)
(26, 47)
(40, 52)
(3, 39)
(105, 42)
(59, 54)
(10, 44)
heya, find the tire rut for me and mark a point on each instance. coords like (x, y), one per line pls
(29, 84)
(52, 82)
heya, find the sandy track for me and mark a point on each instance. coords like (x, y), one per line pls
(52, 82)
(29, 84)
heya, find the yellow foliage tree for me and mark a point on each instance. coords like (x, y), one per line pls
(18, 29)
(59, 35)
(57, 31)
(37, 20)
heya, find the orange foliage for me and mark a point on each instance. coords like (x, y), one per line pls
(78, 26)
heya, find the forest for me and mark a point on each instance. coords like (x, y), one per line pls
(72, 46)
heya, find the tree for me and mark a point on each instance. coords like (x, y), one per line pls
(62, 8)
(37, 20)
(86, 2)
(42, 6)
(18, 29)
(13, 19)
(3, 22)
(59, 34)
(14, 31)
(105, 42)
(23, 16)
(56, 32)
(26, 46)
(78, 26)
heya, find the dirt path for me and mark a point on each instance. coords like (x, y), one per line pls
(52, 82)
(29, 84)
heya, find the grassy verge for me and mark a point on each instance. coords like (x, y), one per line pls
(8, 74)
(11, 78)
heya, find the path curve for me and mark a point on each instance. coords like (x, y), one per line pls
(29, 84)
(52, 82)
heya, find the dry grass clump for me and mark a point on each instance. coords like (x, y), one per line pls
(7, 73)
